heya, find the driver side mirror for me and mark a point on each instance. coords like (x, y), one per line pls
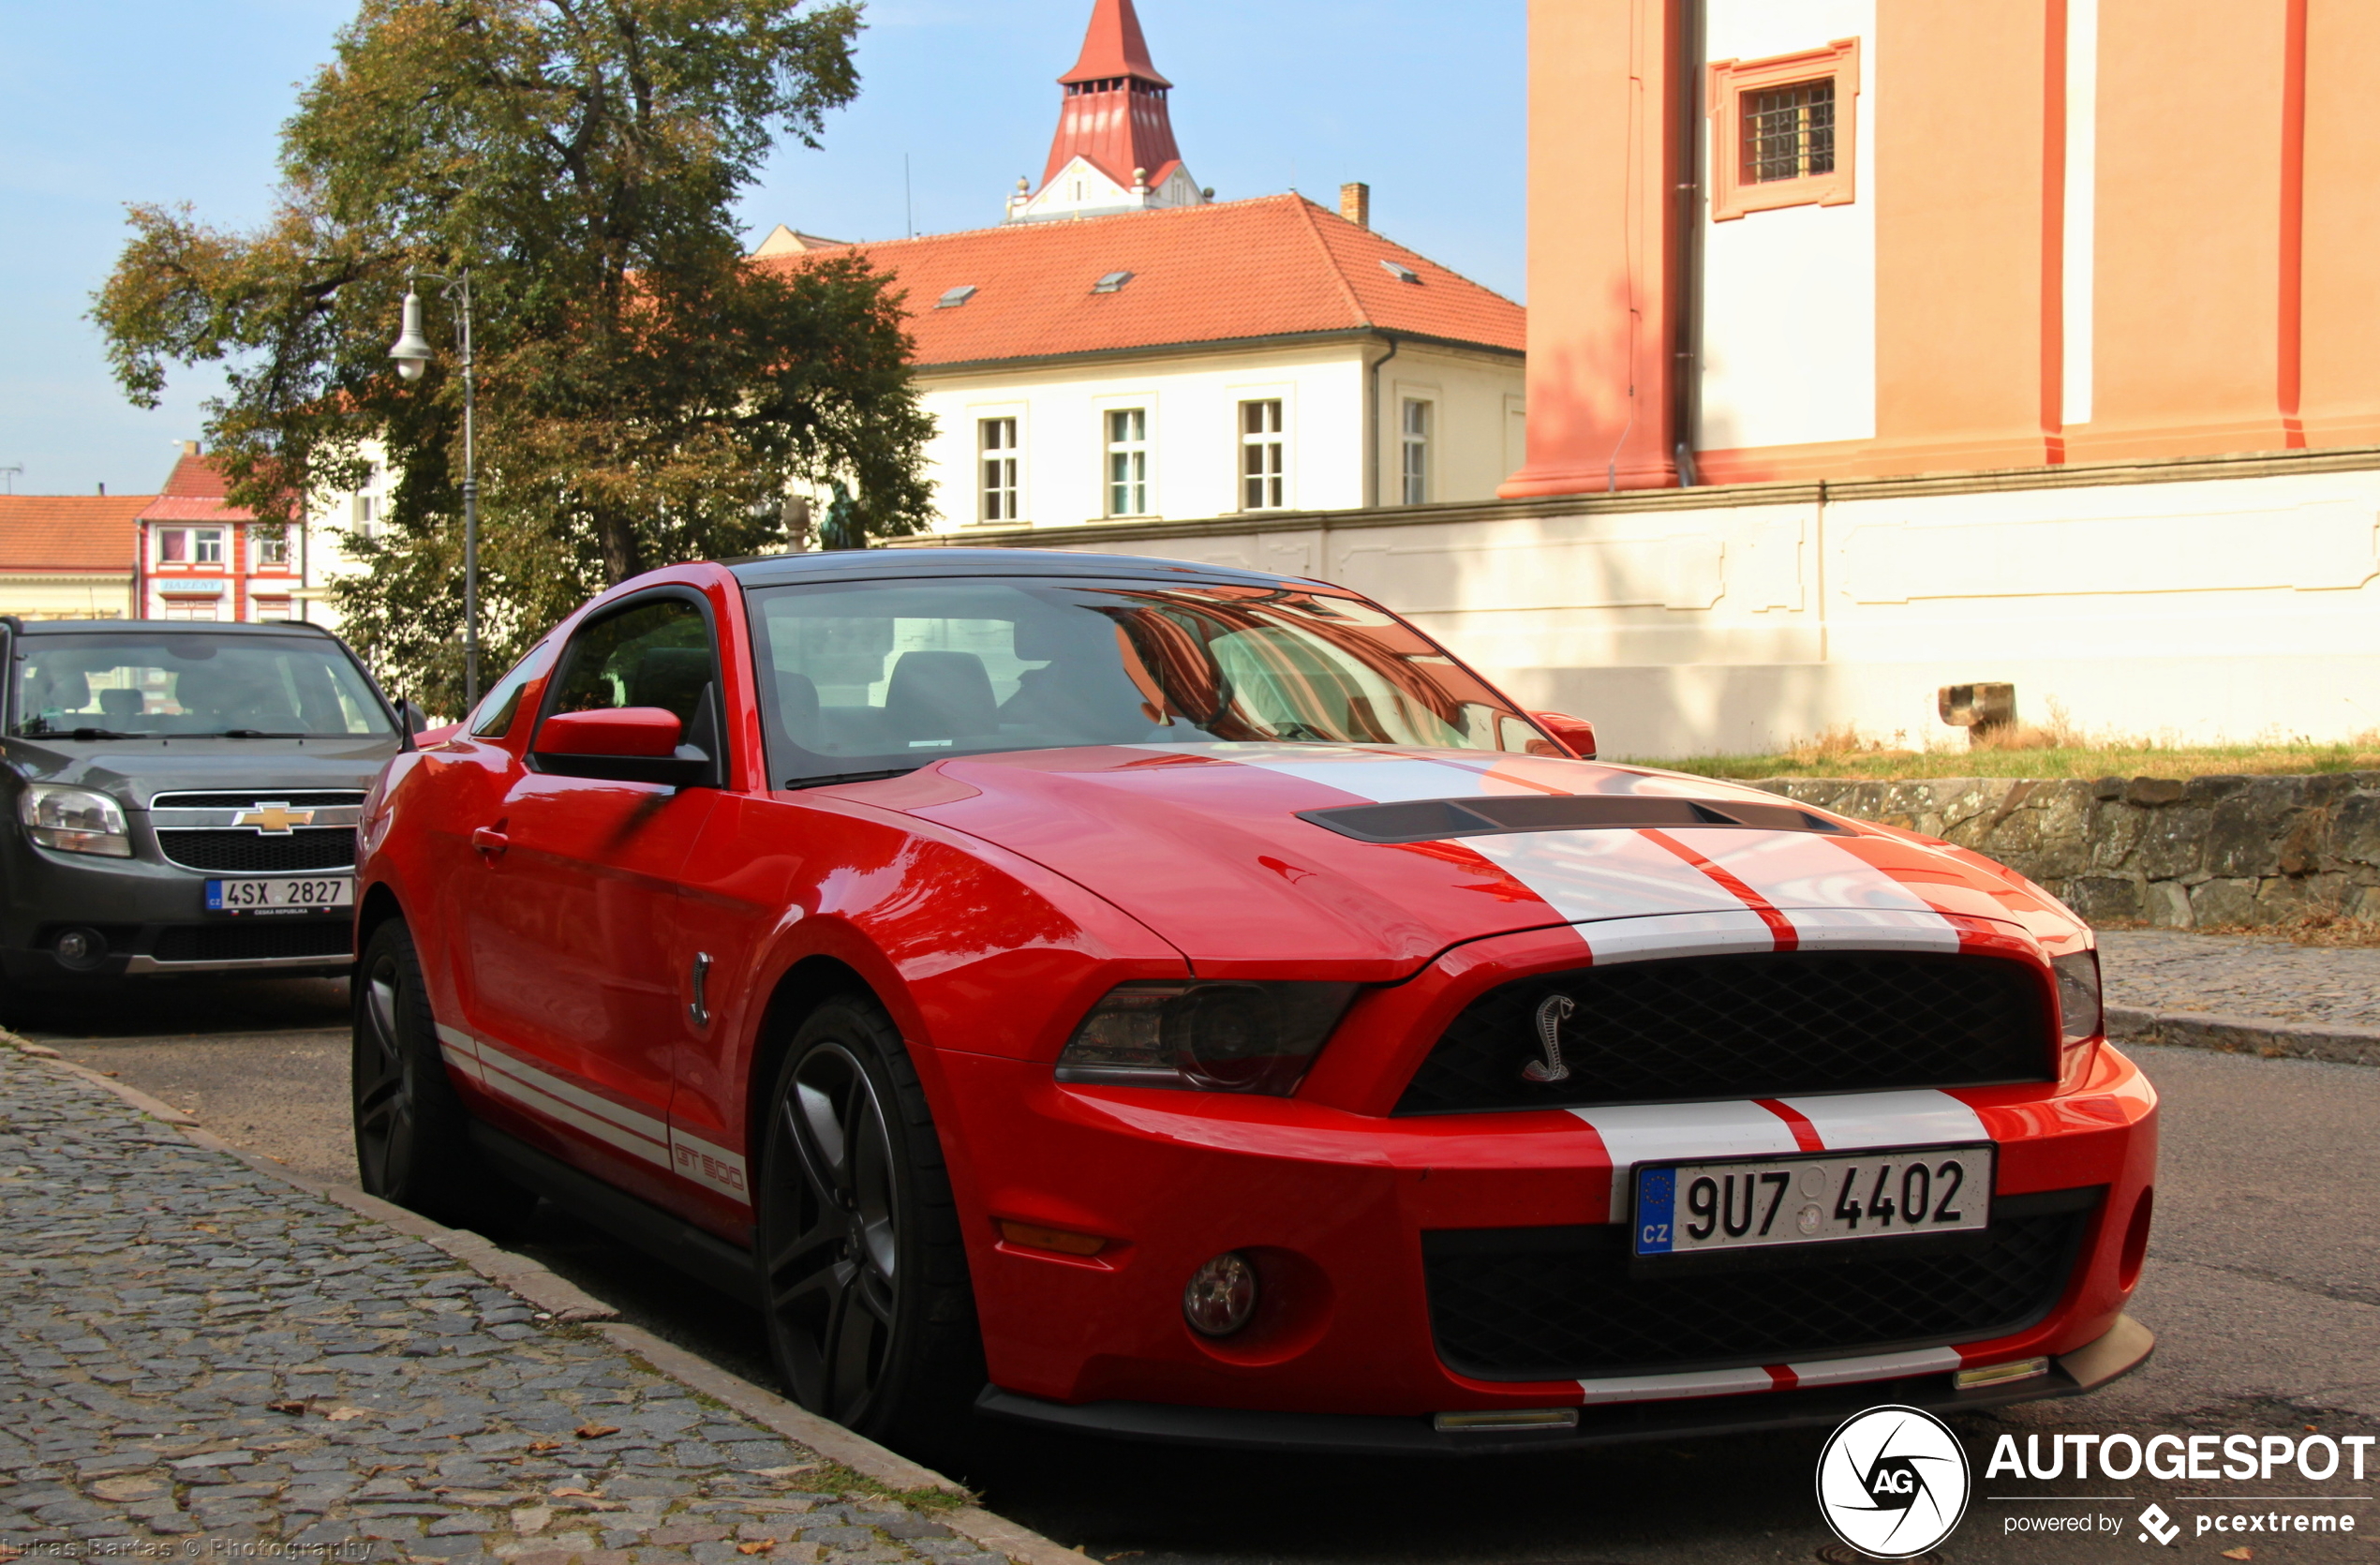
(622, 744)
(1575, 733)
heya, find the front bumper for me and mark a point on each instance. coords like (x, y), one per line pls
(2122, 1349)
(1343, 1211)
(152, 918)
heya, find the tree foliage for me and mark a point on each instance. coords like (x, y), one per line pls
(647, 395)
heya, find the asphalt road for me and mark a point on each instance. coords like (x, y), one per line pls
(2263, 1286)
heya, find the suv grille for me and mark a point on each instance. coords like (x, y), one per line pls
(250, 798)
(241, 851)
(255, 942)
(1761, 1025)
(1560, 1304)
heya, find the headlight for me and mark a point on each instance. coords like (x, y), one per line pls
(2079, 1015)
(1227, 1038)
(75, 819)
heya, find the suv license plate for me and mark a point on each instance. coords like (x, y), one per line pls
(1752, 1203)
(282, 894)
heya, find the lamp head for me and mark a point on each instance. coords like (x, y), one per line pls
(412, 350)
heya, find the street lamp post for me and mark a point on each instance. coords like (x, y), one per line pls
(411, 352)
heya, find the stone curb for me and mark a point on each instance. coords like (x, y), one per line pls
(565, 1301)
(2241, 1034)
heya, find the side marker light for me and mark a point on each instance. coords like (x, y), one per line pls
(1050, 1239)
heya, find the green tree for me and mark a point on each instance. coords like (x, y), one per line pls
(648, 396)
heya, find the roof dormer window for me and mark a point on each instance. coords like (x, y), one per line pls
(955, 297)
(1112, 283)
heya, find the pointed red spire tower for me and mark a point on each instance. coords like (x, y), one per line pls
(1114, 150)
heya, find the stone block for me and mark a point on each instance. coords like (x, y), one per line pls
(2224, 902)
(2104, 898)
(2205, 790)
(2152, 793)
(2355, 829)
(2168, 904)
(2112, 835)
(2243, 839)
(2107, 788)
(2173, 842)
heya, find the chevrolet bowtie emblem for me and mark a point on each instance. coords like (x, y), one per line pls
(278, 820)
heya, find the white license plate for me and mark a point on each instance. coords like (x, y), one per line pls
(1752, 1203)
(281, 894)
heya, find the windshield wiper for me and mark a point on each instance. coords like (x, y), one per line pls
(79, 734)
(251, 734)
(833, 778)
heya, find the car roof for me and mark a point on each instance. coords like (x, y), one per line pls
(918, 564)
(177, 627)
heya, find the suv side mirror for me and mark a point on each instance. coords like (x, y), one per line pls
(1575, 733)
(623, 744)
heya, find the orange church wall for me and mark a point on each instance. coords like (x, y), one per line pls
(1603, 168)
(2340, 365)
(2188, 348)
(1967, 258)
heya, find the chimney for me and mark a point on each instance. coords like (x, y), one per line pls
(189, 448)
(1355, 204)
(103, 491)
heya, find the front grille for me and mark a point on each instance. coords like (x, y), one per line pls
(1762, 1025)
(1560, 1304)
(241, 851)
(260, 941)
(249, 799)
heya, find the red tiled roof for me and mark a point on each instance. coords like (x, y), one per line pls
(1276, 266)
(194, 493)
(1113, 46)
(80, 533)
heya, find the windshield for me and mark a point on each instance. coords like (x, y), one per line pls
(131, 684)
(883, 677)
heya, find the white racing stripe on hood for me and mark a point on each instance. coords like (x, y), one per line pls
(1676, 935)
(1584, 875)
(1637, 1133)
(1847, 1121)
(1833, 898)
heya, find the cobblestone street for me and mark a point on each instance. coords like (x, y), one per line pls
(2169, 970)
(191, 1351)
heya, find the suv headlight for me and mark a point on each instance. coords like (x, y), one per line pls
(1226, 1037)
(75, 820)
(2079, 1014)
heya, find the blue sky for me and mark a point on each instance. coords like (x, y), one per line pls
(112, 101)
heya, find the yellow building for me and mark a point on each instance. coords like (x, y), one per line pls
(68, 556)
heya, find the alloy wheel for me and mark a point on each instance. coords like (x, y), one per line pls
(832, 1247)
(384, 1107)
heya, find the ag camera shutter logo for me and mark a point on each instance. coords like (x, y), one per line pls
(1893, 1482)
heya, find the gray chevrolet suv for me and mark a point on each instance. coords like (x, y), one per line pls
(185, 797)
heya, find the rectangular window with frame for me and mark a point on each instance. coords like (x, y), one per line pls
(207, 546)
(173, 546)
(270, 611)
(1414, 424)
(269, 548)
(1127, 462)
(1782, 130)
(1263, 457)
(996, 445)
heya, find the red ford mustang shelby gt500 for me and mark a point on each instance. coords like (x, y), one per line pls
(1180, 1002)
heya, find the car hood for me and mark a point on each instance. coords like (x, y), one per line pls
(1215, 848)
(136, 770)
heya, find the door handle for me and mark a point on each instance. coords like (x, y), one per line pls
(489, 841)
(698, 1009)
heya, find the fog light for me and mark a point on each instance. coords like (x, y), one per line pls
(1510, 1418)
(2000, 1374)
(82, 947)
(1221, 1296)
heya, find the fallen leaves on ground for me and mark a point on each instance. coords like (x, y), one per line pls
(340, 1415)
(545, 1445)
(758, 1545)
(2243, 1552)
(577, 1494)
(289, 1406)
(597, 1431)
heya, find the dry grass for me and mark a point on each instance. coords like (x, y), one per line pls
(2056, 747)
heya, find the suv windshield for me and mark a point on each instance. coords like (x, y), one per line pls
(883, 677)
(133, 684)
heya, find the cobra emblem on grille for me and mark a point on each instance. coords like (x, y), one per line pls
(1551, 1013)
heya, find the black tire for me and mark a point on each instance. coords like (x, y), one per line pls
(869, 1314)
(412, 1139)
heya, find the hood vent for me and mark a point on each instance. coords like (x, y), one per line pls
(1431, 820)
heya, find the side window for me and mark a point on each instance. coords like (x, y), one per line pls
(502, 705)
(655, 653)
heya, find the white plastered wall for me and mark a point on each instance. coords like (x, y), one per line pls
(2203, 611)
(1788, 296)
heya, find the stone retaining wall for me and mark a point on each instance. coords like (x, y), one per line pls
(2178, 854)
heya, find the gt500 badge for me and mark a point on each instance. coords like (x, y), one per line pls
(1893, 1482)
